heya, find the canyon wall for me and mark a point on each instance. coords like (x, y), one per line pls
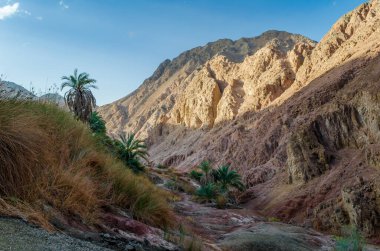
(299, 120)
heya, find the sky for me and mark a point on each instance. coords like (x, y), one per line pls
(121, 42)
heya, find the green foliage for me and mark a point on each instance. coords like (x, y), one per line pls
(79, 97)
(131, 151)
(226, 178)
(216, 184)
(352, 240)
(97, 124)
(207, 192)
(196, 175)
(128, 149)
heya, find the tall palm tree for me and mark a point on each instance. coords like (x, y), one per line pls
(79, 98)
(132, 150)
(227, 178)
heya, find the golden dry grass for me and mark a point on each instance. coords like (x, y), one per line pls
(48, 159)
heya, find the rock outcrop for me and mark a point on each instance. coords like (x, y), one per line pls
(299, 120)
(10, 90)
(168, 92)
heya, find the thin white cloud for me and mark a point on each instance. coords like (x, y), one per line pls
(8, 10)
(39, 18)
(63, 5)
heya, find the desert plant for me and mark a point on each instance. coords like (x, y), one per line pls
(227, 178)
(207, 192)
(79, 97)
(352, 240)
(97, 124)
(131, 151)
(47, 158)
(196, 175)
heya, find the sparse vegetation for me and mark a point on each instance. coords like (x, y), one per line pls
(79, 97)
(207, 192)
(228, 178)
(131, 150)
(352, 240)
(216, 184)
(97, 124)
(49, 162)
(196, 175)
(128, 149)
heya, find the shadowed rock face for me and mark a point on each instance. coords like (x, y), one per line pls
(299, 120)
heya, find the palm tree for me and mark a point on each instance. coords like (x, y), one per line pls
(227, 178)
(132, 150)
(79, 98)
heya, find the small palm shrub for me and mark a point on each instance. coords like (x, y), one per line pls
(216, 184)
(228, 178)
(128, 149)
(97, 124)
(208, 192)
(131, 151)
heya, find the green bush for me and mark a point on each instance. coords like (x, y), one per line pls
(207, 192)
(216, 184)
(196, 175)
(228, 178)
(97, 124)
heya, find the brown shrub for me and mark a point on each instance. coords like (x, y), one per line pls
(48, 159)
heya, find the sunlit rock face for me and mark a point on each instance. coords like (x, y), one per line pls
(299, 120)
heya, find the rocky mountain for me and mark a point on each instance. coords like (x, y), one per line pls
(153, 102)
(10, 90)
(299, 120)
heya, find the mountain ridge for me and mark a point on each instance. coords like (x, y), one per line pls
(292, 122)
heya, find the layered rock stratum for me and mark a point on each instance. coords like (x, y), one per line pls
(299, 120)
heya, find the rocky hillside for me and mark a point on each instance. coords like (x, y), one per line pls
(299, 120)
(10, 90)
(156, 99)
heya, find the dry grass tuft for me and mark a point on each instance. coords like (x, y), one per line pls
(50, 160)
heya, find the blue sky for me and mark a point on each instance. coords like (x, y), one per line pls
(121, 42)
